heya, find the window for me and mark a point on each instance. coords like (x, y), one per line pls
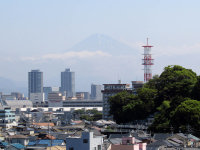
(71, 148)
(99, 147)
(85, 140)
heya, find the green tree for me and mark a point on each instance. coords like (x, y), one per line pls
(153, 83)
(97, 116)
(196, 90)
(147, 96)
(187, 113)
(175, 81)
(134, 111)
(86, 117)
(163, 94)
(117, 103)
(126, 107)
(162, 118)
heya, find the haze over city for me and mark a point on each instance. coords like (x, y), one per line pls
(101, 41)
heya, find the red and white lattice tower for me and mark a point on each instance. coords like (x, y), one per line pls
(147, 62)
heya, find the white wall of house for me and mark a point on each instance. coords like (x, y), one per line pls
(86, 142)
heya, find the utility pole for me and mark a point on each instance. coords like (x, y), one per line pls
(171, 128)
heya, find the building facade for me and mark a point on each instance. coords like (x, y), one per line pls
(111, 90)
(46, 91)
(80, 95)
(35, 82)
(96, 92)
(37, 98)
(82, 103)
(68, 83)
(55, 99)
(137, 85)
(7, 118)
(86, 142)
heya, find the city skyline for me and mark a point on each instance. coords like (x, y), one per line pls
(47, 35)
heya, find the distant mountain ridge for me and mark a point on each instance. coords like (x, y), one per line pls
(93, 43)
(7, 86)
(100, 42)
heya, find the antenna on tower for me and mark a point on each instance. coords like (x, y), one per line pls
(147, 62)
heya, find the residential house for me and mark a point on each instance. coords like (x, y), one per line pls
(21, 139)
(87, 141)
(127, 143)
(38, 144)
(15, 146)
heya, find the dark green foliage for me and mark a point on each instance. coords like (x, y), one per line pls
(97, 116)
(176, 81)
(169, 95)
(126, 107)
(147, 96)
(89, 115)
(187, 114)
(86, 117)
(79, 111)
(118, 104)
(175, 85)
(196, 90)
(161, 122)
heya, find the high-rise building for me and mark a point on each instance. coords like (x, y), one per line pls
(96, 92)
(35, 82)
(68, 83)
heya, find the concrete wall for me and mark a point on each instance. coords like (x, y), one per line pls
(85, 142)
(125, 147)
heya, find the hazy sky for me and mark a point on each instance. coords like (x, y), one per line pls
(41, 27)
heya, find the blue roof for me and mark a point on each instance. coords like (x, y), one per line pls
(46, 142)
(31, 143)
(18, 146)
(4, 143)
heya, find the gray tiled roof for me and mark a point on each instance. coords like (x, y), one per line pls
(161, 136)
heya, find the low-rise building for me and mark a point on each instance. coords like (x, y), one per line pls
(37, 98)
(82, 103)
(87, 141)
(21, 139)
(55, 99)
(7, 118)
(129, 143)
(80, 95)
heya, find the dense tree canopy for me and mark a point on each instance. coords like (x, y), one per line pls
(175, 81)
(196, 89)
(187, 114)
(169, 96)
(120, 106)
(126, 107)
